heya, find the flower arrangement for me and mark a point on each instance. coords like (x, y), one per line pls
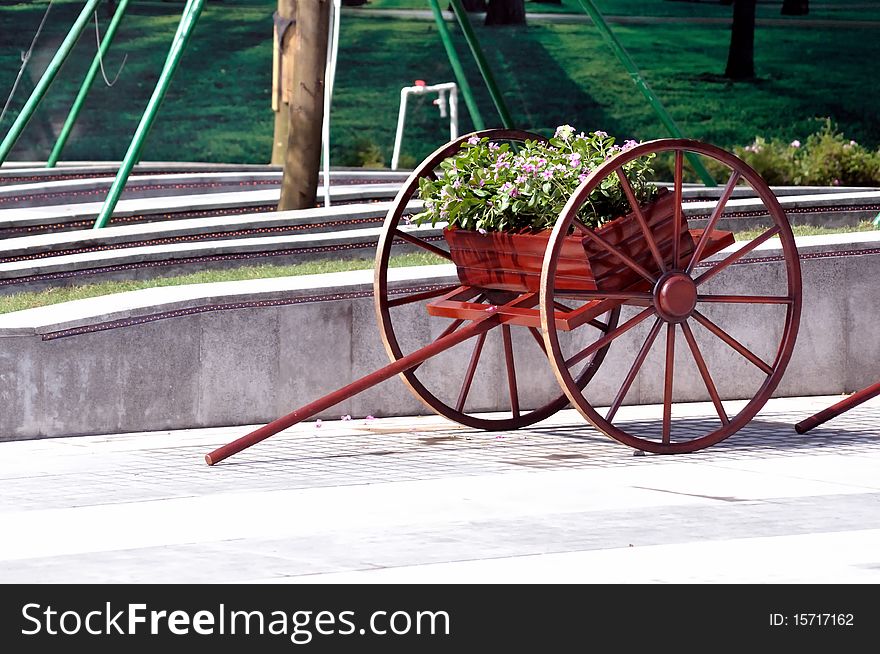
(492, 187)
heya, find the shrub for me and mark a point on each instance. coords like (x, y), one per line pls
(825, 158)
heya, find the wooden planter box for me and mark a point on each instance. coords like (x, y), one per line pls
(512, 262)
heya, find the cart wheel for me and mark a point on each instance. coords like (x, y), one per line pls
(709, 301)
(454, 384)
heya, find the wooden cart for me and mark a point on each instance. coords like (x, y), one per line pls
(573, 293)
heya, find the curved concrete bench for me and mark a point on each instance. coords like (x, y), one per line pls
(245, 353)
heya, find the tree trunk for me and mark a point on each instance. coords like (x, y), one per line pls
(506, 12)
(282, 76)
(471, 6)
(302, 161)
(795, 7)
(741, 55)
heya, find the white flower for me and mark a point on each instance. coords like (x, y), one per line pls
(564, 132)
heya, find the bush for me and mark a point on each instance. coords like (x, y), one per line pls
(825, 158)
(360, 152)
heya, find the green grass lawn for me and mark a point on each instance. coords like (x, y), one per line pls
(218, 107)
(20, 301)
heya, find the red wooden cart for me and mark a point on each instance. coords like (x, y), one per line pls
(574, 292)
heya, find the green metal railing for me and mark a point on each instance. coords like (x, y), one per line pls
(470, 36)
(46, 80)
(86, 85)
(457, 70)
(622, 55)
(181, 38)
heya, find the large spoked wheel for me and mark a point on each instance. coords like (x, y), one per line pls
(727, 329)
(465, 380)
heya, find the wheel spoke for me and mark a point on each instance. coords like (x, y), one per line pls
(446, 332)
(409, 238)
(746, 299)
(732, 342)
(734, 256)
(676, 212)
(634, 370)
(610, 295)
(704, 372)
(469, 375)
(713, 220)
(610, 336)
(424, 295)
(667, 384)
(511, 370)
(562, 307)
(582, 227)
(629, 261)
(538, 339)
(451, 328)
(637, 212)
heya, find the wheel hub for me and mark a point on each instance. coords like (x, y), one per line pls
(675, 297)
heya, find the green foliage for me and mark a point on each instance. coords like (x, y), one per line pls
(490, 186)
(361, 152)
(825, 158)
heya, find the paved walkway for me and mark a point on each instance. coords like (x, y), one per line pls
(422, 500)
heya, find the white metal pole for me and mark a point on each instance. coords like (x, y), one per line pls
(401, 117)
(329, 77)
(453, 112)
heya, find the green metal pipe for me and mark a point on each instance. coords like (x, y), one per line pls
(184, 31)
(471, 37)
(46, 80)
(455, 62)
(86, 85)
(640, 83)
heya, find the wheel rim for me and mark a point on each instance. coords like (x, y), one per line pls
(676, 305)
(513, 344)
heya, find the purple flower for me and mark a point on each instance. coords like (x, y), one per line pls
(582, 178)
(795, 144)
(529, 168)
(574, 160)
(547, 174)
(482, 231)
(493, 146)
(510, 189)
(629, 144)
(600, 134)
(473, 140)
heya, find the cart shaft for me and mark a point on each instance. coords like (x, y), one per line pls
(403, 364)
(835, 410)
